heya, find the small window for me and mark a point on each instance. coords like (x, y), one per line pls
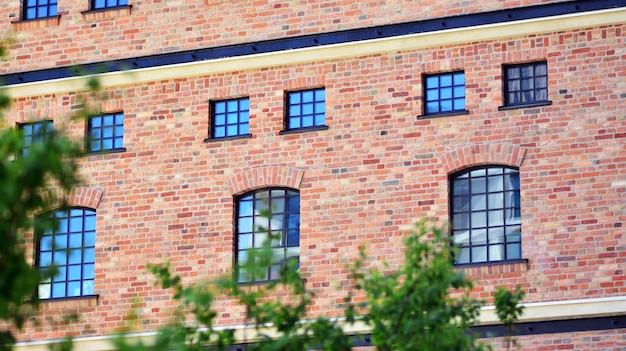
(34, 9)
(70, 251)
(230, 118)
(485, 215)
(444, 93)
(35, 132)
(253, 226)
(105, 4)
(306, 109)
(105, 133)
(526, 84)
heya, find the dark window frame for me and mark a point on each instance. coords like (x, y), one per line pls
(116, 136)
(246, 238)
(317, 114)
(520, 96)
(217, 114)
(503, 237)
(454, 97)
(48, 6)
(84, 267)
(47, 131)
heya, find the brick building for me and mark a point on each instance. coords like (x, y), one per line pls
(355, 119)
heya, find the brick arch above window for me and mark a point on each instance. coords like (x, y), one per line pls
(85, 197)
(264, 177)
(473, 155)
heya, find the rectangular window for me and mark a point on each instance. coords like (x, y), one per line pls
(105, 4)
(70, 251)
(35, 132)
(105, 133)
(486, 215)
(306, 109)
(444, 93)
(230, 118)
(526, 84)
(39, 9)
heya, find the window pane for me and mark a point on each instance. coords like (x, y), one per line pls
(87, 287)
(58, 290)
(245, 241)
(479, 254)
(463, 255)
(496, 235)
(496, 252)
(513, 251)
(74, 272)
(88, 271)
(73, 289)
(479, 219)
(479, 202)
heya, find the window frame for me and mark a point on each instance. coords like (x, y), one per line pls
(438, 88)
(47, 132)
(287, 249)
(506, 81)
(510, 230)
(48, 5)
(314, 115)
(89, 138)
(213, 116)
(52, 249)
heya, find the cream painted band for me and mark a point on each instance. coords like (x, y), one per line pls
(328, 52)
(537, 311)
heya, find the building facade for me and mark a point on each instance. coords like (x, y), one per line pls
(352, 120)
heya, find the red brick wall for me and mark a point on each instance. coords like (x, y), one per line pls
(375, 171)
(153, 26)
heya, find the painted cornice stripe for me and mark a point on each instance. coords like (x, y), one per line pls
(538, 318)
(321, 39)
(324, 52)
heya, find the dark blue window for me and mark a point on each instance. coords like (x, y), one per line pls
(444, 92)
(105, 133)
(105, 4)
(253, 227)
(525, 84)
(70, 252)
(40, 8)
(486, 214)
(230, 118)
(306, 108)
(35, 132)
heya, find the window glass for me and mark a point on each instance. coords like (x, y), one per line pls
(526, 83)
(444, 92)
(35, 132)
(230, 118)
(106, 132)
(70, 249)
(485, 214)
(306, 109)
(254, 228)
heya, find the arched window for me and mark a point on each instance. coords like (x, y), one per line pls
(70, 251)
(485, 216)
(263, 211)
